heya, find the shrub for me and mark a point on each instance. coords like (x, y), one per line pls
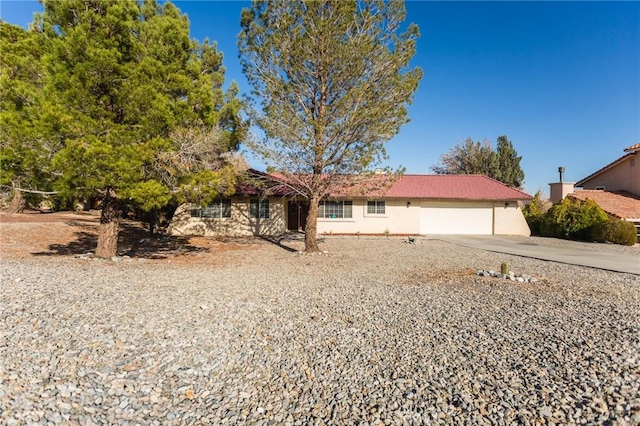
(573, 219)
(616, 231)
(534, 212)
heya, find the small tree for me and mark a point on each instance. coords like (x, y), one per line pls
(471, 157)
(333, 82)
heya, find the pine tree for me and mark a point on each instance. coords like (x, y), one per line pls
(471, 157)
(509, 163)
(25, 151)
(332, 80)
(124, 77)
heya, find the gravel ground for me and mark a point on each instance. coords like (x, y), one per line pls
(374, 332)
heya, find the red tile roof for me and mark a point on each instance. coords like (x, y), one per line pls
(622, 204)
(454, 187)
(434, 187)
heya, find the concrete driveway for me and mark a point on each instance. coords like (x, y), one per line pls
(611, 261)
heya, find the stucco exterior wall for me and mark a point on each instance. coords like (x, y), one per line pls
(509, 220)
(398, 219)
(624, 176)
(239, 224)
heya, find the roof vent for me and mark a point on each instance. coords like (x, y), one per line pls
(561, 171)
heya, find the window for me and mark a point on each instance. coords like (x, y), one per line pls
(218, 209)
(375, 207)
(335, 209)
(259, 208)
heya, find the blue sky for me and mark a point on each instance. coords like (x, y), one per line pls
(561, 79)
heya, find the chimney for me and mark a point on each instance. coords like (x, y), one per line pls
(561, 189)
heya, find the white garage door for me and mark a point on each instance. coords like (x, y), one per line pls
(456, 218)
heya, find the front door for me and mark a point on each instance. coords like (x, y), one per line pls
(297, 215)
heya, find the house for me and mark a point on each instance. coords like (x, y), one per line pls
(615, 187)
(622, 174)
(412, 205)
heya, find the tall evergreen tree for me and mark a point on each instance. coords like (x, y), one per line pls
(471, 157)
(25, 152)
(509, 163)
(332, 80)
(124, 77)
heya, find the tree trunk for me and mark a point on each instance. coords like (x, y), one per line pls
(311, 228)
(109, 226)
(153, 220)
(18, 203)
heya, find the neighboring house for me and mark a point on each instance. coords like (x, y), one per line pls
(620, 204)
(615, 187)
(413, 205)
(622, 174)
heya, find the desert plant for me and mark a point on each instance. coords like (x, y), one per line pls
(504, 269)
(615, 231)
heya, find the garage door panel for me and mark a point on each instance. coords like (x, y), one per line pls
(456, 218)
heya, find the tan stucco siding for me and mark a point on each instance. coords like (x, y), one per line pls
(397, 219)
(622, 176)
(509, 220)
(239, 224)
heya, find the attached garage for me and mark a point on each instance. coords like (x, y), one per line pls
(456, 217)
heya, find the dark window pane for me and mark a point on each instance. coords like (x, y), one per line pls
(371, 207)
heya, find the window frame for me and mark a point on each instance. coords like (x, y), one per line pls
(259, 208)
(219, 208)
(377, 210)
(338, 209)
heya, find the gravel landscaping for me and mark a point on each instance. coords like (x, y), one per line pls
(376, 331)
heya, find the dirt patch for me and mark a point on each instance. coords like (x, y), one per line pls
(66, 234)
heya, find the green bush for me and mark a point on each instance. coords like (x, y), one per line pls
(534, 212)
(573, 219)
(616, 231)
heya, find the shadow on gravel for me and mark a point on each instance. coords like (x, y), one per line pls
(282, 241)
(133, 241)
(278, 242)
